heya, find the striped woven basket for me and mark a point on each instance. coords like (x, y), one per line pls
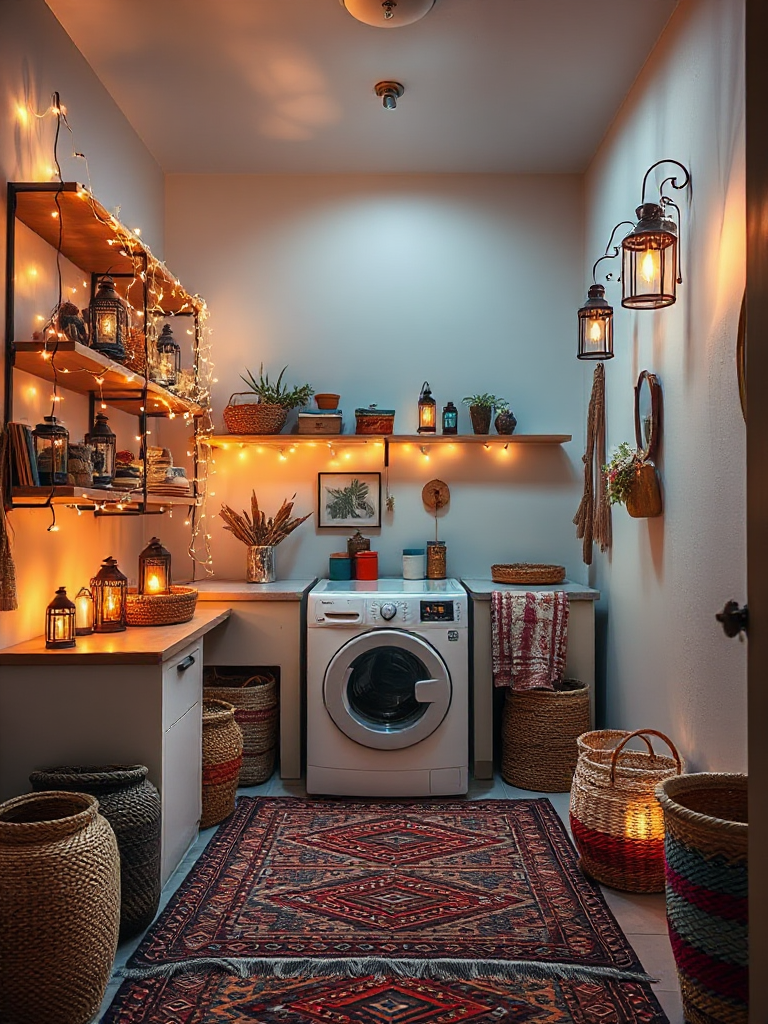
(253, 417)
(256, 712)
(222, 758)
(706, 874)
(616, 821)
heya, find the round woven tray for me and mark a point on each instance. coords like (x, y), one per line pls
(527, 572)
(160, 609)
(254, 417)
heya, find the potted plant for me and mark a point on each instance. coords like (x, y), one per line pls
(481, 409)
(633, 481)
(274, 400)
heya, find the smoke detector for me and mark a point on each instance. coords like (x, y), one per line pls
(388, 13)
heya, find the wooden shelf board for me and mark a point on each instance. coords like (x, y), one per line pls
(68, 494)
(286, 440)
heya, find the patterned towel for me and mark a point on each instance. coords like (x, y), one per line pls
(529, 634)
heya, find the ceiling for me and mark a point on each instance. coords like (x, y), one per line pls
(287, 86)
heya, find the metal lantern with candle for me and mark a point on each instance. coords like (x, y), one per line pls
(427, 411)
(154, 569)
(109, 587)
(108, 320)
(596, 315)
(60, 621)
(51, 451)
(103, 441)
(168, 358)
(83, 612)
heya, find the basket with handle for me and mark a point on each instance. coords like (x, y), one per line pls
(253, 417)
(616, 821)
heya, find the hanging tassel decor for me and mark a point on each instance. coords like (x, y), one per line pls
(593, 518)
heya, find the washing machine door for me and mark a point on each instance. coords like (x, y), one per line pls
(387, 689)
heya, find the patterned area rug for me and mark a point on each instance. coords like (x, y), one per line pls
(423, 912)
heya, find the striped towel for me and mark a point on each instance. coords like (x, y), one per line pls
(529, 633)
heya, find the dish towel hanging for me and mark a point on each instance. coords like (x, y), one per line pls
(529, 635)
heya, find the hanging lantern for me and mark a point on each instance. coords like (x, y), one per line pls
(109, 588)
(83, 612)
(650, 260)
(427, 411)
(108, 320)
(103, 442)
(596, 326)
(154, 569)
(60, 621)
(51, 448)
(168, 358)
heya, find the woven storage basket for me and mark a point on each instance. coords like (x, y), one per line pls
(59, 908)
(256, 712)
(222, 758)
(374, 421)
(131, 805)
(160, 609)
(253, 417)
(527, 572)
(705, 816)
(538, 734)
(616, 821)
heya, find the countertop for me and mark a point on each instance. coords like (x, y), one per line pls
(239, 590)
(481, 589)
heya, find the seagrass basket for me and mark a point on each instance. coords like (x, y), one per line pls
(253, 417)
(222, 758)
(527, 572)
(374, 421)
(160, 609)
(256, 713)
(616, 821)
(539, 731)
(705, 845)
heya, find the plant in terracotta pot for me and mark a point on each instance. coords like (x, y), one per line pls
(481, 408)
(633, 481)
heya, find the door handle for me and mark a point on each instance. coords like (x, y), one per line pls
(734, 619)
(426, 691)
(186, 663)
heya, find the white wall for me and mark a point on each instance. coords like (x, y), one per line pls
(369, 285)
(668, 663)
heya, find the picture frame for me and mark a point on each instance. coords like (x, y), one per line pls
(348, 500)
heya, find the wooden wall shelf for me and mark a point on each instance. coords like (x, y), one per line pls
(343, 440)
(68, 494)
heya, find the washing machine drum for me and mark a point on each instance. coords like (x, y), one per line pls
(387, 689)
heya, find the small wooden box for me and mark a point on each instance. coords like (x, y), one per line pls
(320, 422)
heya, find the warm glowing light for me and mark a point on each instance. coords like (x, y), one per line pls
(32, 271)
(649, 266)
(643, 821)
(154, 584)
(22, 113)
(595, 331)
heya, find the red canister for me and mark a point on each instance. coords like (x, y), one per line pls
(367, 565)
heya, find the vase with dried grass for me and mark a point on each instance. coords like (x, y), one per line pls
(261, 535)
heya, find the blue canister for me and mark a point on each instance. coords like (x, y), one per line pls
(414, 563)
(340, 566)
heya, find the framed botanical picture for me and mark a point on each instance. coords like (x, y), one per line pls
(349, 499)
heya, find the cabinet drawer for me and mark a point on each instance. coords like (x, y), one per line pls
(181, 789)
(182, 683)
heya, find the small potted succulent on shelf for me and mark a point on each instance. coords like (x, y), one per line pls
(268, 415)
(481, 408)
(633, 481)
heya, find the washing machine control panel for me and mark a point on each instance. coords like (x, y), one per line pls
(389, 611)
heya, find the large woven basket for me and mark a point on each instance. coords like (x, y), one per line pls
(616, 821)
(527, 572)
(253, 417)
(160, 609)
(539, 732)
(222, 758)
(59, 907)
(256, 712)
(706, 873)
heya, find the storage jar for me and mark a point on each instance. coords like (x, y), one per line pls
(414, 563)
(436, 560)
(340, 566)
(367, 565)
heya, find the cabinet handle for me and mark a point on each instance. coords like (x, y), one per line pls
(186, 663)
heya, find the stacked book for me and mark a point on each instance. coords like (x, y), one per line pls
(23, 462)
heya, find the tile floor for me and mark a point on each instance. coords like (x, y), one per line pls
(642, 917)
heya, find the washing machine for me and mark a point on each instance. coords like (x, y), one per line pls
(387, 688)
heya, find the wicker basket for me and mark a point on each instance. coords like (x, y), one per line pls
(374, 421)
(616, 821)
(705, 816)
(222, 758)
(539, 733)
(253, 417)
(527, 572)
(160, 609)
(256, 712)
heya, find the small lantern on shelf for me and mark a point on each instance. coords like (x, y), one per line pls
(108, 320)
(154, 569)
(60, 621)
(450, 419)
(103, 441)
(109, 588)
(427, 411)
(83, 612)
(51, 451)
(168, 358)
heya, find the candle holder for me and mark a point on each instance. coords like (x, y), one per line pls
(427, 411)
(83, 612)
(154, 569)
(109, 588)
(60, 621)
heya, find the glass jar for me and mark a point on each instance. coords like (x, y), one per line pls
(414, 563)
(436, 560)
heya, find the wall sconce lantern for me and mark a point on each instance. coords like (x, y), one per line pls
(103, 441)
(427, 411)
(60, 621)
(154, 569)
(83, 612)
(109, 588)
(651, 260)
(168, 358)
(51, 451)
(108, 320)
(596, 315)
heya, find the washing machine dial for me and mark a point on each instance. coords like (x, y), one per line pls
(388, 610)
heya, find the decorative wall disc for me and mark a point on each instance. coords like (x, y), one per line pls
(435, 495)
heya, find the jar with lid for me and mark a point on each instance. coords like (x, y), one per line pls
(436, 560)
(414, 563)
(367, 565)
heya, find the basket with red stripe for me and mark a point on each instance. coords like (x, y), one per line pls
(616, 821)
(222, 759)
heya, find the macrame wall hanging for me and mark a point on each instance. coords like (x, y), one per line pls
(593, 519)
(8, 598)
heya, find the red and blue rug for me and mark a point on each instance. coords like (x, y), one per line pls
(425, 912)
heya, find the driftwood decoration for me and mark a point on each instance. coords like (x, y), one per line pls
(593, 518)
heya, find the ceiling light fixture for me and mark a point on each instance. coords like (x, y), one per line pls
(388, 13)
(390, 93)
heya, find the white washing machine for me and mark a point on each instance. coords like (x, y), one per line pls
(387, 688)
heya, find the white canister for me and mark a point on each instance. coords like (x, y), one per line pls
(414, 563)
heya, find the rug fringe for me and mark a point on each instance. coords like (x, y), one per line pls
(439, 969)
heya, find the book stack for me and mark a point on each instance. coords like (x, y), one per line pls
(23, 462)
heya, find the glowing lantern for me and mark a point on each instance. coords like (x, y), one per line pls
(60, 621)
(83, 612)
(154, 569)
(427, 411)
(108, 320)
(109, 588)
